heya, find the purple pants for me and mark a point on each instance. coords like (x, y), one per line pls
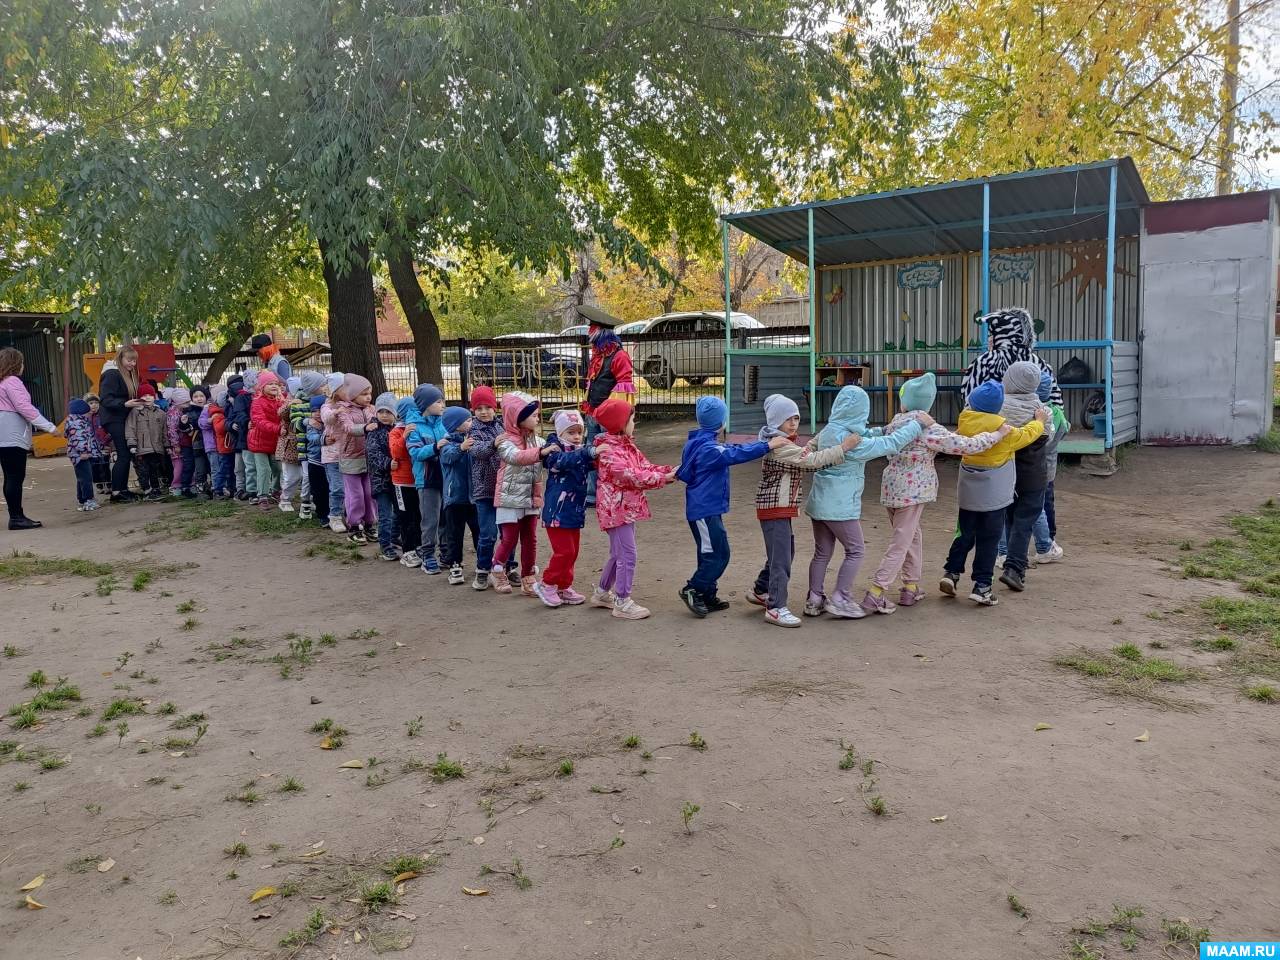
(357, 498)
(825, 535)
(620, 569)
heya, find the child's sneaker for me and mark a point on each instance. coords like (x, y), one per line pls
(389, 554)
(781, 617)
(603, 598)
(947, 585)
(1013, 580)
(910, 596)
(336, 525)
(410, 559)
(814, 604)
(873, 604)
(716, 604)
(153, 496)
(501, 582)
(571, 597)
(624, 608)
(456, 576)
(845, 609)
(286, 506)
(757, 599)
(93, 505)
(693, 600)
(265, 505)
(82, 507)
(481, 580)
(355, 536)
(306, 510)
(430, 565)
(983, 596)
(527, 585)
(547, 594)
(1052, 555)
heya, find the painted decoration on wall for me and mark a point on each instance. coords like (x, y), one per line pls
(836, 294)
(1089, 265)
(915, 276)
(1006, 267)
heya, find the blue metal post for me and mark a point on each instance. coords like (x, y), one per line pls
(986, 258)
(813, 324)
(728, 325)
(1109, 310)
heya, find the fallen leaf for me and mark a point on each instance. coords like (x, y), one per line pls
(938, 819)
(478, 841)
(352, 765)
(407, 875)
(326, 744)
(400, 890)
(314, 853)
(33, 905)
(1043, 726)
(840, 800)
(1143, 737)
(262, 894)
(399, 644)
(264, 915)
(317, 845)
(356, 936)
(401, 915)
(106, 865)
(35, 884)
(475, 891)
(180, 753)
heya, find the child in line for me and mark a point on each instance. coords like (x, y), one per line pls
(1021, 402)
(909, 482)
(145, 433)
(250, 393)
(224, 477)
(83, 450)
(316, 475)
(378, 454)
(623, 475)
(564, 507)
(101, 464)
(517, 497)
(459, 511)
(264, 435)
(1045, 530)
(778, 502)
(984, 489)
(424, 438)
(353, 420)
(835, 502)
(294, 462)
(484, 477)
(325, 422)
(286, 454)
(179, 398)
(195, 465)
(704, 468)
(209, 440)
(403, 491)
(237, 438)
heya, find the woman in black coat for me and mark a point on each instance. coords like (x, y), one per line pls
(118, 392)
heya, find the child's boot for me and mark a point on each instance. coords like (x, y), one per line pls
(481, 581)
(624, 608)
(547, 594)
(876, 602)
(456, 576)
(501, 582)
(603, 598)
(528, 585)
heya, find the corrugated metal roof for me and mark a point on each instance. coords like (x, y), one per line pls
(1036, 206)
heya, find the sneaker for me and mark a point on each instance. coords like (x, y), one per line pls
(603, 598)
(336, 525)
(1000, 559)
(757, 599)
(527, 585)
(873, 604)
(155, 496)
(781, 617)
(356, 535)
(286, 506)
(265, 505)
(481, 581)
(82, 507)
(188, 494)
(456, 576)
(571, 597)
(547, 594)
(410, 559)
(693, 600)
(624, 608)
(910, 596)
(814, 604)
(947, 585)
(306, 510)
(716, 604)
(844, 609)
(1013, 580)
(243, 496)
(501, 582)
(92, 505)
(983, 596)
(431, 566)
(388, 554)
(1052, 555)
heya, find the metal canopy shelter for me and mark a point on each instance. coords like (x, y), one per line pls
(1085, 202)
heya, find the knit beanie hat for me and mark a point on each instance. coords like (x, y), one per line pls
(265, 379)
(406, 408)
(454, 417)
(711, 413)
(250, 378)
(292, 385)
(777, 410)
(425, 395)
(385, 401)
(311, 382)
(334, 381)
(483, 396)
(1045, 390)
(260, 340)
(146, 390)
(1022, 377)
(179, 396)
(919, 392)
(566, 419)
(353, 385)
(527, 411)
(219, 394)
(201, 388)
(614, 414)
(988, 398)
(77, 407)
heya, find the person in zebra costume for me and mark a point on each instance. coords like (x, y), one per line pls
(1011, 337)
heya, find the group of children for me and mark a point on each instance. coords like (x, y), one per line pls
(421, 478)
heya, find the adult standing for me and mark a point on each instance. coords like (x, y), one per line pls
(1011, 337)
(609, 375)
(17, 416)
(271, 357)
(118, 389)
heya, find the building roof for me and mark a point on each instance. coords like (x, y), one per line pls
(1036, 206)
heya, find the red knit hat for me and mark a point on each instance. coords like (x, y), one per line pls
(483, 396)
(613, 415)
(146, 390)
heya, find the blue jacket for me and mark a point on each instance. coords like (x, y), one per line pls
(421, 433)
(565, 501)
(456, 464)
(238, 418)
(315, 435)
(837, 490)
(377, 454)
(704, 468)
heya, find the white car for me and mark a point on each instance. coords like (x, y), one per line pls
(690, 346)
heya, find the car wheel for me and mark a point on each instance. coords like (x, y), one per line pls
(658, 375)
(695, 381)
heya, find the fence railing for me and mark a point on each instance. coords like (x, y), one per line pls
(672, 370)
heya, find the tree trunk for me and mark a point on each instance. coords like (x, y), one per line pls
(422, 322)
(353, 330)
(227, 352)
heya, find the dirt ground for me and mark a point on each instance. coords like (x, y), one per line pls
(784, 859)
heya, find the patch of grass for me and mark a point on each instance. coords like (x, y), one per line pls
(1263, 693)
(37, 679)
(106, 586)
(445, 769)
(631, 742)
(21, 786)
(1078, 951)
(168, 898)
(22, 564)
(696, 741)
(566, 768)
(291, 785)
(405, 864)
(328, 640)
(98, 730)
(141, 580)
(1125, 669)
(368, 634)
(521, 879)
(26, 718)
(1216, 643)
(122, 708)
(189, 720)
(167, 708)
(183, 743)
(413, 727)
(687, 812)
(850, 758)
(876, 805)
(10, 650)
(239, 849)
(1183, 930)
(186, 606)
(374, 896)
(188, 624)
(1018, 907)
(317, 923)
(322, 726)
(247, 795)
(1269, 442)
(1128, 651)
(52, 763)
(1259, 618)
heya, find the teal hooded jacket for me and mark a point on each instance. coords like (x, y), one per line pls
(837, 490)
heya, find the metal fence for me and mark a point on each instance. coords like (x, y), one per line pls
(672, 370)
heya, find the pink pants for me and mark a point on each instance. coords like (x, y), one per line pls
(357, 498)
(177, 470)
(905, 551)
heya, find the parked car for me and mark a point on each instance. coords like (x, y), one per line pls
(630, 329)
(527, 364)
(690, 346)
(577, 330)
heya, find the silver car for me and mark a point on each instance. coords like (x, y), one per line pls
(690, 346)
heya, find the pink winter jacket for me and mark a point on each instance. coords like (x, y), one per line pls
(348, 423)
(18, 415)
(623, 475)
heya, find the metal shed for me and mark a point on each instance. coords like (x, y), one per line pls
(896, 279)
(52, 351)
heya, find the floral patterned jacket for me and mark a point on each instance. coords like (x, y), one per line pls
(910, 476)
